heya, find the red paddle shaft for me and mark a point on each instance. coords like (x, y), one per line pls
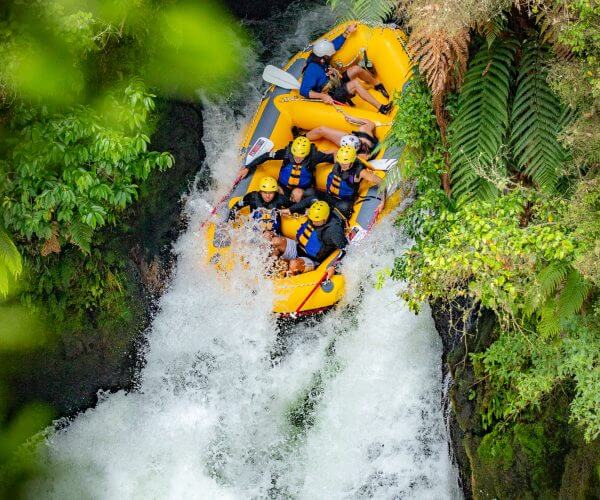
(311, 293)
(333, 263)
(222, 200)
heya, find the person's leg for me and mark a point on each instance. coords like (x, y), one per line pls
(355, 87)
(296, 267)
(296, 195)
(279, 244)
(331, 134)
(368, 128)
(358, 72)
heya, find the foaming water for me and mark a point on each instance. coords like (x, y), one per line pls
(230, 405)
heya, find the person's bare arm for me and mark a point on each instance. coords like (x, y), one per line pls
(326, 98)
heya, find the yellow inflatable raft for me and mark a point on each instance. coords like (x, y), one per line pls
(280, 111)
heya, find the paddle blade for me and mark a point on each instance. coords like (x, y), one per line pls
(280, 78)
(260, 147)
(383, 164)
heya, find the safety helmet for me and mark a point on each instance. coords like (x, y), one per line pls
(318, 211)
(268, 185)
(301, 147)
(350, 140)
(346, 154)
(323, 47)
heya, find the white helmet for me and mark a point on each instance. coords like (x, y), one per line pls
(350, 140)
(323, 48)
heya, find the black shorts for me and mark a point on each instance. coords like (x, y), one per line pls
(341, 93)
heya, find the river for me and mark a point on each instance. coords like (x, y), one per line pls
(233, 404)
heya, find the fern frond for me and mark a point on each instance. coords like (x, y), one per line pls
(572, 296)
(535, 121)
(548, 281)
(569, 302)
(81, 235)
(52, 244)
(492, 28)
(442, 58)
(364, 10)
(477, 133)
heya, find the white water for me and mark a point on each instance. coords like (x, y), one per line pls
(211, 417)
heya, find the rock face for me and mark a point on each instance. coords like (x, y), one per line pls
(68, 372)
(540, 456)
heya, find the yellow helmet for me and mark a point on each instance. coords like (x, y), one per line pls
(301, 147)
(319, 211)
(346, 154)
(268, 185)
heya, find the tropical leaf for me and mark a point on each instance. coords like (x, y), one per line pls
(477, 133)
(364, 10)
(536, 120)
(10, 262)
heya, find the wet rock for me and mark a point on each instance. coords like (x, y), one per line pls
(539, 456)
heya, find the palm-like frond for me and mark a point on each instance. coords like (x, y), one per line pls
(442, 58)
(535, 120)
(477, 133)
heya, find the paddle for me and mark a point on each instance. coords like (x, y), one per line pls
(261, 146)
(280, 78)
(321, 280)
(383, 164)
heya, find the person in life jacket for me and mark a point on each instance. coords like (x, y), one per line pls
(264, 206)
(322, 81)
(363, 140)
(316, 239)
(299, 160)
(344, 179)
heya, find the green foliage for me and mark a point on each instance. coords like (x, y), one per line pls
(10, 263)
(415, 133)
(524, 369)
(523, 450)
(479, 128)
(74, 285)
(75, 172)
(484, 252)
(496, 448)
(62, 52)
(364, 10)
(577, 79)
(584, 217)
(535, 120)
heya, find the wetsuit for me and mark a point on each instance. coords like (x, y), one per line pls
(342, 187)
(264, 213)
(294, 175)
(317, 243)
